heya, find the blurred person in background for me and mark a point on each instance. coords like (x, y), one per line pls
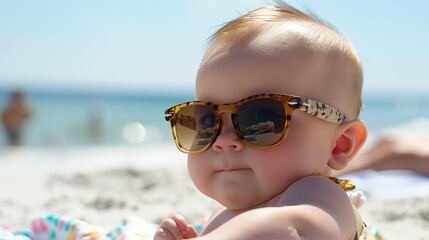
(15, 114)
(95, 122)
(393, 151)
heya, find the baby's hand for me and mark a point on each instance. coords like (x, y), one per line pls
(175, 228)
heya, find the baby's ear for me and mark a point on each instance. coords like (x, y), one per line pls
(350, 138)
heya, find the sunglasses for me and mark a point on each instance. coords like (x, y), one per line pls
(260, 121)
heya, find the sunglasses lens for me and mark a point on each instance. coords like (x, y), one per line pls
(195, 127)
(261, 121)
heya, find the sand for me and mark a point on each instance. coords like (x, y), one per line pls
(102, 185)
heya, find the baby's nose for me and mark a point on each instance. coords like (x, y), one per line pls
(228, 140)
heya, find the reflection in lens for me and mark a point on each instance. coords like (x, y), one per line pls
(262, 121)
(195, 127)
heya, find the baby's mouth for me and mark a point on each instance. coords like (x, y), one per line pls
(236, 169)
(233, 169)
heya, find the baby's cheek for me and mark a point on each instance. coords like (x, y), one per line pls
(199, 175)
(277, 174)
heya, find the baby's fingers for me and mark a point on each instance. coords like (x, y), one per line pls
(168, 230)
(186, 230)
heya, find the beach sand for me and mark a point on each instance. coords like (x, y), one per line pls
(103, 185)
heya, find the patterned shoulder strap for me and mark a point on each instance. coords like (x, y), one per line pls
(345, 184)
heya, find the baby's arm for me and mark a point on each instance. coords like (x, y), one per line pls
(175, 227)
(312, 208)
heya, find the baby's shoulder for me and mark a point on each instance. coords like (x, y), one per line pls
(315, 190)
(324, 194)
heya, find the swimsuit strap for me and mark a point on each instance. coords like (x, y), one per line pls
(345, 184)
(360, 224)
(348, 185)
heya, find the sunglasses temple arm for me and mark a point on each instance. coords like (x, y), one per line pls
(323, 111)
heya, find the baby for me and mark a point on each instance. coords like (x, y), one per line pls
(279, 94)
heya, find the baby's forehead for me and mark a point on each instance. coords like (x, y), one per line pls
(276, 50)
(279, 38)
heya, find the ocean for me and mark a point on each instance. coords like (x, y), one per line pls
(84, 119)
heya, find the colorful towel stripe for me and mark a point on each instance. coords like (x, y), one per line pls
(55, 227)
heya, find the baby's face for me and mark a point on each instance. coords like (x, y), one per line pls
(239, 176)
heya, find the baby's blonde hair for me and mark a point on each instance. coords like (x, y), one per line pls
(316, 35)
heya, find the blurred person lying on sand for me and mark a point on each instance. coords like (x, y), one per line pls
(393, 151)
(279, 95)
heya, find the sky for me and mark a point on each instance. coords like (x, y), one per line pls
(156, 46)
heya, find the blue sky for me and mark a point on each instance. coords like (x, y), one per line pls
(139, 45)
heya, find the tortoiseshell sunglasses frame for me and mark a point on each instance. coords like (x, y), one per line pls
(291, 103)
